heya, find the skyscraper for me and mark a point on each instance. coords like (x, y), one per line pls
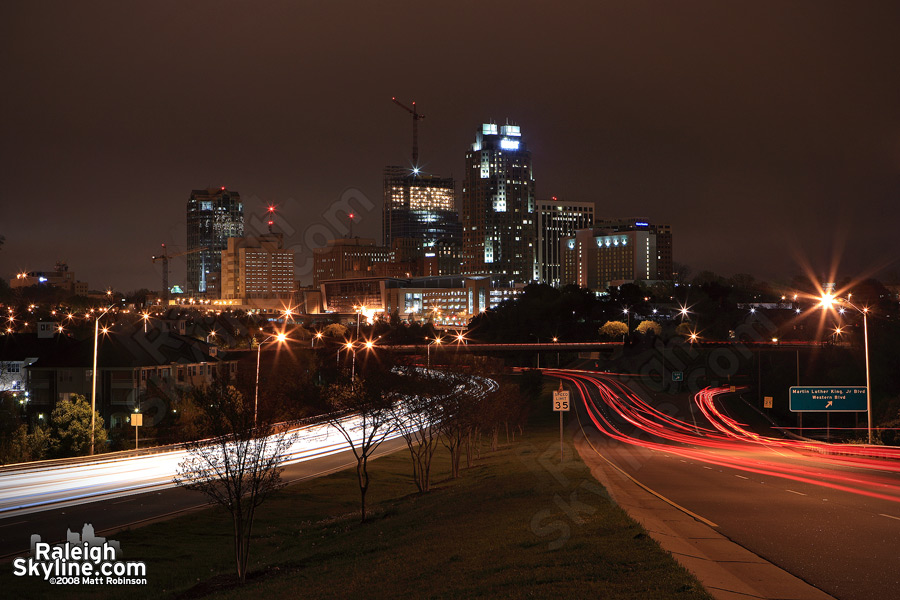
(213, 216)
(498, 204)
(556, 219)
(420, 207)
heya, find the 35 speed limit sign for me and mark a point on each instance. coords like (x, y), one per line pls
(561, 401)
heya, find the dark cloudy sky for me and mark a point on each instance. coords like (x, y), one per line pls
(766, 133)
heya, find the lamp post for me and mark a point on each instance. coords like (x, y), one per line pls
(351, 347)
(318, 336)
(94, 374)
(437, 341)
(828, 301)
(279, 337)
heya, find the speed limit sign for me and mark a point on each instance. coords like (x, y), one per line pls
(561, 401)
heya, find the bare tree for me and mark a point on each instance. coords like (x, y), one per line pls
(361, 412)
(418, 415)
(458, 414)
(239, 467)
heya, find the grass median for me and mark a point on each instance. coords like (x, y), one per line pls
(517, 524)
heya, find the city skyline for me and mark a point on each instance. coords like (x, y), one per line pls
(767, 136)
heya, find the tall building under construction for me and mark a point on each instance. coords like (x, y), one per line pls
(420, 207)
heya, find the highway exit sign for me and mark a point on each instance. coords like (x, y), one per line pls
(828, 399)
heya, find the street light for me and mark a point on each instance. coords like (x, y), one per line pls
(437, 341)
(318, 336)
(828, 301)
(279, 337)
(94, 373)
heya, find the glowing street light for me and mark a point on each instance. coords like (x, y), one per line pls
(94, 373)
(278, 337)
(829, 301)
(318, 336)
(437, 341)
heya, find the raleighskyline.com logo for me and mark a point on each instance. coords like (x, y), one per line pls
(83, 559)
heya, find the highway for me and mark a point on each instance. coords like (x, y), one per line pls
(130, 488)
(832, 519)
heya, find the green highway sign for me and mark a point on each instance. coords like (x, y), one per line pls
(828, 399)
(677, 375)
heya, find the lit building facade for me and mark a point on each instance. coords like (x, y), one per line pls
(213, 216)
(60, 277)
(451, 300)
(665, 270)
(420, 207)
(498, 204)
(257, 268)
(349, 257)
(600, 258)
(556, 219)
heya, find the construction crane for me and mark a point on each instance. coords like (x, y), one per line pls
(416, 117)
(164, 257)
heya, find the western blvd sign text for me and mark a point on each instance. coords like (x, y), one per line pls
(828, 399)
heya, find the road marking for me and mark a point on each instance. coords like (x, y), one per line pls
(798, 493)
(657, 494)
(125, 500)
(742, 477)
(11, 524)
(705, 467)
(889, 516)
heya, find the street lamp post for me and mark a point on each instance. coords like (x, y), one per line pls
(350, 346)
(94, 375)
(829, 300)
(280, 337)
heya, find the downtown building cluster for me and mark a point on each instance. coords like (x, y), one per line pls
(434, 261)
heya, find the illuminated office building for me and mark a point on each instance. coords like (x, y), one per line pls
(600, 258)
(213, 216)
(498, 204)
(257, 268)
(556, 219)
(664, 262)
(420, 207)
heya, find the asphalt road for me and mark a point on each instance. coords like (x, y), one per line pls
(833, 521)
(118, 513)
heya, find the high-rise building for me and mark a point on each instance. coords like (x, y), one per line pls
(257, 268)
(498, 204)
(420, 207)
(213, 216)
(664, 262)
(556, 219)
(602, 257)
(351, 257)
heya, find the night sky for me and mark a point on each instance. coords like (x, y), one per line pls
(766, 133)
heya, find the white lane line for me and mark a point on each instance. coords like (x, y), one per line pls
(798, 493)
(742, 477)
(705, 467)
(889, 516)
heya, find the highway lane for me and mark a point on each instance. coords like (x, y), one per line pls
(124, 489)
(120, 512)
(833, 521)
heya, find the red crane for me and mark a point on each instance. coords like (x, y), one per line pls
(416, 117)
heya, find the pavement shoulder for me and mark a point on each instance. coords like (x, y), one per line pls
(726, 569)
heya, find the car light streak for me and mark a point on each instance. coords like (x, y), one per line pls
(620, 414)
(26, 489)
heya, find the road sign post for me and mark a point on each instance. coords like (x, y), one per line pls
(561, 405)
(137, 419)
